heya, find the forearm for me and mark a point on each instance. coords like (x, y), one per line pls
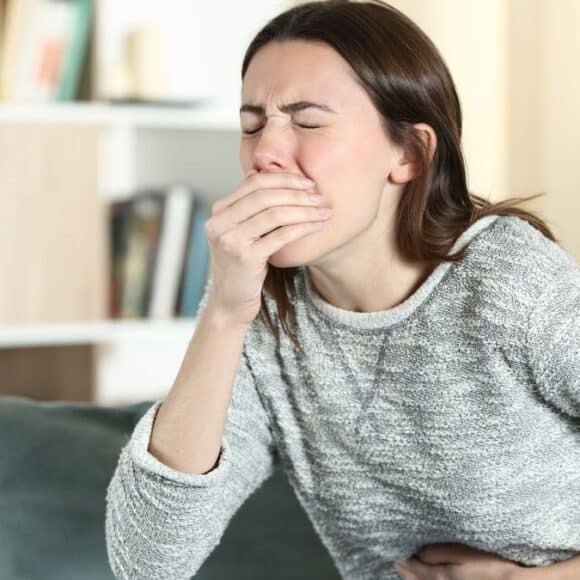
(189, 426)
(565, 570)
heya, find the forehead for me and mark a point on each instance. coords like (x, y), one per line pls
(298, 69)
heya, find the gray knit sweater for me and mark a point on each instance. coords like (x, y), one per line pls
(468, 432)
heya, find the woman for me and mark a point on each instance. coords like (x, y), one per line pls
(411, 361)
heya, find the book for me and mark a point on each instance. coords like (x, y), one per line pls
(75, 56)
(142, 229)
(159, 253)
(196, 264)
(49, 41)
(171, 251)
(38, 55)
(119, 213)
(43, 50)
(17, 15)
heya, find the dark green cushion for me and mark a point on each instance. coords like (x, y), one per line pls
(56, 460)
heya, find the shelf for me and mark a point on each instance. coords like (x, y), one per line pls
(144, 116)
(17, 336)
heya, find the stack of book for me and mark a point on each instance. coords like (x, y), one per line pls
(160, 253)
(43, 45)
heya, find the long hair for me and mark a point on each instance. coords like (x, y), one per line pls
(408, 82)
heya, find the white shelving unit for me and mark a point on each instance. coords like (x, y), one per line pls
(120, 349)
(141, 146)
(138, 147)
(105, 332)
(114, 115)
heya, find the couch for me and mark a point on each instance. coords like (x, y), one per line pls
(56, 460)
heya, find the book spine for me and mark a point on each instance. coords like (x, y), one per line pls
(197, 263)
(172, 248)
(76, 51)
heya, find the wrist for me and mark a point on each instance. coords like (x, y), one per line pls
(216, 318)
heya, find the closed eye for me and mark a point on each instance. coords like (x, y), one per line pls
(303, 126)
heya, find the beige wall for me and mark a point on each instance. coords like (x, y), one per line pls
(559, 117)
(516, 69)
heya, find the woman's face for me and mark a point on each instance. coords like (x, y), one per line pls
(348, 154)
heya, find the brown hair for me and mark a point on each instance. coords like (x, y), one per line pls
(408, 81)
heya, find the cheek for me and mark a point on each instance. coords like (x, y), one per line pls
(350, 177)
(346, 162)
(354, 211)
(351, 191)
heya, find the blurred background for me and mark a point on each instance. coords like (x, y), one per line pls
(119, 127)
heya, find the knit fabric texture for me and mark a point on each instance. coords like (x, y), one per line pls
(451, 417)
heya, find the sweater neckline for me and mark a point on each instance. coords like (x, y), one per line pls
(391, 316)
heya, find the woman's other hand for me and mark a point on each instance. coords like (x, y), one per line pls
(452, 561)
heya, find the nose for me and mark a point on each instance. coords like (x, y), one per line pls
(274, 148)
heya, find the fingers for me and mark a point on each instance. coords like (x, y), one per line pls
(254, 180)
(274, 241)
(404, 571)
(414, 569)
(447, 553)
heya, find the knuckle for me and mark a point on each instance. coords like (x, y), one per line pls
(228, 243)
(262, 200)
(276, 213)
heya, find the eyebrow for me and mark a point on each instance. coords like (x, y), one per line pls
(288, 108)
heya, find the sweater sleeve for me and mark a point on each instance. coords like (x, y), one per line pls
(554, 341)
(163, 523)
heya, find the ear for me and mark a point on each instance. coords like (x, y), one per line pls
(405, 169)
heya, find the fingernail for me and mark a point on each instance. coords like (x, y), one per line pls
(307, 182)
